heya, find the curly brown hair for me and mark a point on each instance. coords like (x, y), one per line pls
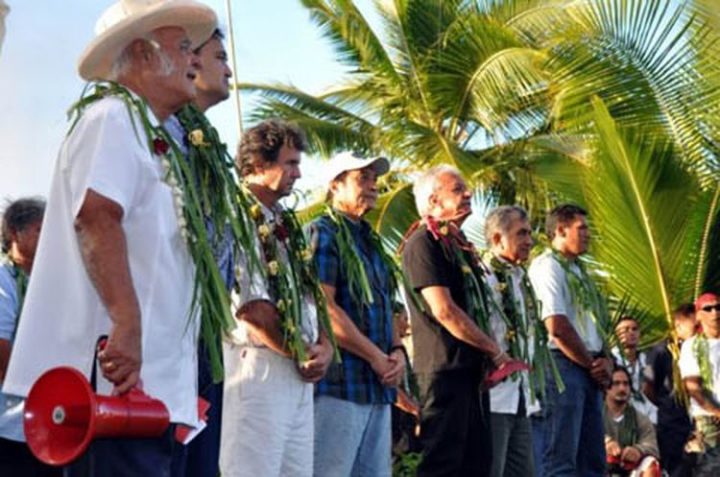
(262, 144)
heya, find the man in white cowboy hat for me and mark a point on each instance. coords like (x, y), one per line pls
(112, 259)
(360, 390)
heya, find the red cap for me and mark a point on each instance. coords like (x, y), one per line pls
(705, 298)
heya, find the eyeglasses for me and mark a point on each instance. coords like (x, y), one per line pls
(709, 308)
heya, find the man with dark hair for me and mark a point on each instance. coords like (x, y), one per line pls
(198, 140)
(262, 146)
(673, 422)
(569, 433)
(627, 331)
(21, 228)
(700, 370)
(630, 441)
(516, 328)
(20, 231)
(277, 351)
(360, 390)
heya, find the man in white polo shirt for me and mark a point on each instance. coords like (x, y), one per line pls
(569, 435)
(112, 258)
(700, 369)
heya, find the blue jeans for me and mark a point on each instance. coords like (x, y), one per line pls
(351, 439)
(570, 435)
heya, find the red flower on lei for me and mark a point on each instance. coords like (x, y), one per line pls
(160, 146)
(281, 232)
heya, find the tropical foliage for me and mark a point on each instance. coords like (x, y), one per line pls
(609, 103)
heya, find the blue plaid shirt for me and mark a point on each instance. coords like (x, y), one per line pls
(354, 379)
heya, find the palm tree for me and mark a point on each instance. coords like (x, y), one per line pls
(504, 91)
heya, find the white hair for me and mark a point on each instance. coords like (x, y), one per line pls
(425, 186)
(122, 63)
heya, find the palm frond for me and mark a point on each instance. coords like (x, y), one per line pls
(642, 200)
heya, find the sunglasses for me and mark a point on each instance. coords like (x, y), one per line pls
(708, 308)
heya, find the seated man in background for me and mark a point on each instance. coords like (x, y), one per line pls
(630, 441)
(627, 354)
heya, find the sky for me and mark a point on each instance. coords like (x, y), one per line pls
(275, 40)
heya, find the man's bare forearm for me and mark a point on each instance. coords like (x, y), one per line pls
(457, 322)
(696, 391)
(263, 321)
(104, 251)
(463, 328)
(568, 341)
(347, 335)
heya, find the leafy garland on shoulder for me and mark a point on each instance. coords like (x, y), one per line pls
(358, 283)
(208, 166)
(520, 323)
(21, 283)
(459, 250)
(585, 294)
(203, 189)
(291, 281)
(701, 350)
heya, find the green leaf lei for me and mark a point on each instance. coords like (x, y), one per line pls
(585, 295)
(203, 187)
(290, 281)
(457, 249)
(224, 204)
(21, 283)
(701, 351)
(521, 323)
(358, 283)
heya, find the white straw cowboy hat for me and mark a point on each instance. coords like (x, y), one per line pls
(128, 20)
(350, 161)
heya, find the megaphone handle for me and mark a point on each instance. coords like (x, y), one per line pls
(99, 346)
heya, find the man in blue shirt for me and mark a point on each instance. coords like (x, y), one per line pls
(357, 281)
(20, 231)
(190, 129)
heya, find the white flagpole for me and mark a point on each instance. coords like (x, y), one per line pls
(233, 62)
(4, 9)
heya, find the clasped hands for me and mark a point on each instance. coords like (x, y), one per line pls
(390, 368)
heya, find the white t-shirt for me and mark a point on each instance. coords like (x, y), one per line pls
(689, 367)
(505, 396)
(551, 288)
(63, 316)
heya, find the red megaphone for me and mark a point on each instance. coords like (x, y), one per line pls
(63, 414)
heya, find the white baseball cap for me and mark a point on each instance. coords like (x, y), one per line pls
(350, 161)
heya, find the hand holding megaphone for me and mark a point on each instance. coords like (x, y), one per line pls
(63, 414)
(120, 357)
